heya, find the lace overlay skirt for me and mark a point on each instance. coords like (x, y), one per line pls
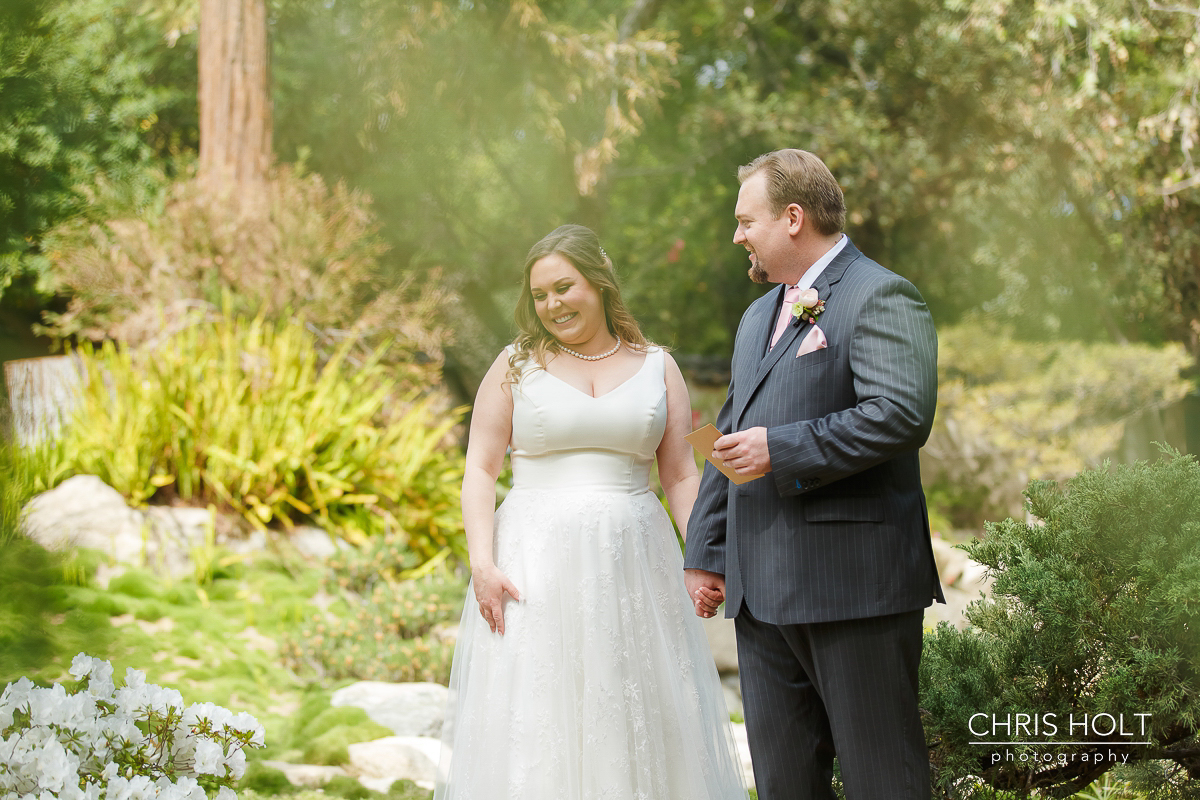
(603, 685)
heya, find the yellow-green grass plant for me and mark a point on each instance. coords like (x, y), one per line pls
(242, 413)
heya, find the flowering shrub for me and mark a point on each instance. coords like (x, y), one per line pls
(391, 634)
(133, 742)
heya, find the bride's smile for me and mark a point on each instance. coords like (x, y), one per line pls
(569, 307)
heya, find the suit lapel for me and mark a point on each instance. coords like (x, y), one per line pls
(825, 286)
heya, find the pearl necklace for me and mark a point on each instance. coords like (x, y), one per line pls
(571, 352)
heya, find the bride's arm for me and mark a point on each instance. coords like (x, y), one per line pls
(491, 431)
(676, 465)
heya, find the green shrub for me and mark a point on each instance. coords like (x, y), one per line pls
(1010, 411)
(390, 636)
(38, 621)
(331, 747)
(307, 252)
(242, 413)
(349, 788)
(407, 790)
(267, 780)
(328, 719)
(1095, 609)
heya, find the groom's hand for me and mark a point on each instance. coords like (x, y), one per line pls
(707, 590)
(746, 451)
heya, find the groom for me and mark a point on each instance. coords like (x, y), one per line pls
(825, 563)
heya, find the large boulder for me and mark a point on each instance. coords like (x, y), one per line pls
(722, 641)
(84, 511)
(379, 763)
(963, 582)
(408, 709)
(307, 775)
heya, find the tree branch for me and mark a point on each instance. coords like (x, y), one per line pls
(639, 14)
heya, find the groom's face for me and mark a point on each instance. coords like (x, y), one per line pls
(762, 233)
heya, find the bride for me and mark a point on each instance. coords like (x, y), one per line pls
(581, 670)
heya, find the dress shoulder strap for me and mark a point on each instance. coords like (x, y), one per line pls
(656, 357)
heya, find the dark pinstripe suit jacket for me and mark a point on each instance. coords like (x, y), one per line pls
(838, 530)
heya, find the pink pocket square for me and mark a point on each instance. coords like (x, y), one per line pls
(813, 340)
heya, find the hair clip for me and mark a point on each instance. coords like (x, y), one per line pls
(603, 254)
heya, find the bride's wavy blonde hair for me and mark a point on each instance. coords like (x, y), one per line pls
(581, 247)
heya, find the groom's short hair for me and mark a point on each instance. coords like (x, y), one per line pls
(798, 176)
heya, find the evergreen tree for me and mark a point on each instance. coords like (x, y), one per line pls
(1094, 611)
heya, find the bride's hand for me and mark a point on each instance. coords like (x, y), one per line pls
(490, 586)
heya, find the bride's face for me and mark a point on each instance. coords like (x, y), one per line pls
(570, 308)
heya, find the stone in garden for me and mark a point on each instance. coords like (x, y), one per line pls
(312, 542)
(731, 687)
(722, 641)
(743, 749)
(408, 709)
(380, 763)
(84, 511)
(307, 775)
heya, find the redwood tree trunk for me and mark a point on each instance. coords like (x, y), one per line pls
(235, 101)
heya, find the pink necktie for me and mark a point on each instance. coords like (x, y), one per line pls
(785, 313)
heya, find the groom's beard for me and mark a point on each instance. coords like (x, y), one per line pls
(757, 273)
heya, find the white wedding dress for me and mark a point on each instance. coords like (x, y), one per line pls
(602, 685)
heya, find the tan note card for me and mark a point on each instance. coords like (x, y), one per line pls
(702, 440)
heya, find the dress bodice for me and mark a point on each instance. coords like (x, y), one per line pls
(563, 438)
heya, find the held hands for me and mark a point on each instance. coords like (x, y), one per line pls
(746, 451)
(490, 587)
(707, 590)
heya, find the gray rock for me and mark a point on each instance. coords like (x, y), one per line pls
(84, 511)
(408, 709)
(379, 763)
(312, 542)
(308, 775)
(743, 750)
(731, 687)
(722, 640)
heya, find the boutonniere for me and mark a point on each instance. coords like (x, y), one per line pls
(808, 307)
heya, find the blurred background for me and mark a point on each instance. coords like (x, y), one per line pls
(1029, 166)
(256, 255)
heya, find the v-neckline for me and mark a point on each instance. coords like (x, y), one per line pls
(619, 386)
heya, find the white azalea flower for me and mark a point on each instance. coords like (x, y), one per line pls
(54, 766)
(208, 758)
(81, 665)
(68, 734)
(236, 761)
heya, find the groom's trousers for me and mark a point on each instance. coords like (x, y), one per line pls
(846, 688)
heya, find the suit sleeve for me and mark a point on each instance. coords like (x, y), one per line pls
(893, 361)
(705, 547)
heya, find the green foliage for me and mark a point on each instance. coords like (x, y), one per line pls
(331, 746)
(305, 252)
(38, 621)
(241, 413)
(1012, 410)
(86, 88)
(349, 788)
(261, 778)
(1094, 610)
(392, 633)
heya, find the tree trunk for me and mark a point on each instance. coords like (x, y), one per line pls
(234, 97)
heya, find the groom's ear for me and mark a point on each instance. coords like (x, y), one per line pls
(794, 215)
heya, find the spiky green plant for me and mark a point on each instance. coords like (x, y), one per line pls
(244, 414)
